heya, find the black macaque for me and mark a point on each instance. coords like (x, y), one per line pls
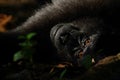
(81, 27)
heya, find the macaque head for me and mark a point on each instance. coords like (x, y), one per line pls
(71, 43)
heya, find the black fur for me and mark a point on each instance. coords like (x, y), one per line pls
(93, 16)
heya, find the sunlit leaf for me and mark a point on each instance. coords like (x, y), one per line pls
(17, 56)
(30, 35)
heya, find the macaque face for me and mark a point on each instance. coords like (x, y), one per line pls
(75, 44)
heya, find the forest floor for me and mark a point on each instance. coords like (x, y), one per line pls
(106, 69)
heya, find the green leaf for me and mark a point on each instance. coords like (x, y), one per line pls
(24, 44)
(27, 48)
(87, 62)
(30, 35)
(21, 37)
(62, 74)
(17, 56)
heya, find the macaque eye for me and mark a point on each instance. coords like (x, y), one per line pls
(87, 42)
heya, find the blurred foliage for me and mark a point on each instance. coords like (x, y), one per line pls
(27, 48)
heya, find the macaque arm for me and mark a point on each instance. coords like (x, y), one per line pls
(63, 11)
